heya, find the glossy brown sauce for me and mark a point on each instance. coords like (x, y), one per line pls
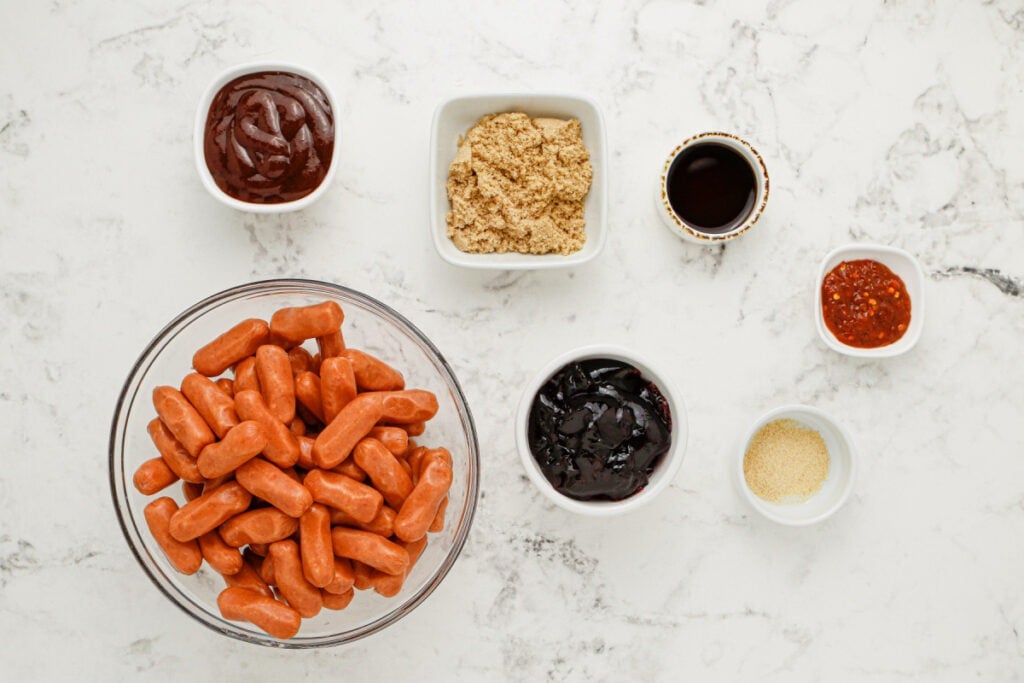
(269, 137)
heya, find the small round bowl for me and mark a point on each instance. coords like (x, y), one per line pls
(664, 472)
(369, 325)
(838, 483)
(200, 132)
(679, 227)
(899, 262)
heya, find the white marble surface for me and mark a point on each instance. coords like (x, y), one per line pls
(894, 122)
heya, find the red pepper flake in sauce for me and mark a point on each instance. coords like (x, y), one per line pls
(865, 304)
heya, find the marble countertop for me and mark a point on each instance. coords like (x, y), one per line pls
(899, 123)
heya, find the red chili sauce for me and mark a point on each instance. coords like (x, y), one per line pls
(865, 304)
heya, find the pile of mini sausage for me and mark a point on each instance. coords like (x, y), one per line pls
(301, 479)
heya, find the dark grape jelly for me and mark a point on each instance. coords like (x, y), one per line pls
(598, 429)
(711, 187)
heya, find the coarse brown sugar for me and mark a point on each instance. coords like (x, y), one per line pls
(785, 462)
(518, 184)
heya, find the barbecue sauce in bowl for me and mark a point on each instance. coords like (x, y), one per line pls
(269, 137)
(598, 429)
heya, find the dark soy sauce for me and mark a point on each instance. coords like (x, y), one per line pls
(711, 187)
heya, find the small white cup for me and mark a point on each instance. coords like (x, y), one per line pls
(679, 227)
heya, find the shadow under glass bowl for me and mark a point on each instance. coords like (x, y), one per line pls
(370, 326)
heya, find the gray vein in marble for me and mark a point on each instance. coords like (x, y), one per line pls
(1008, 285)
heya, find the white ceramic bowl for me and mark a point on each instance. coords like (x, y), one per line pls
(664, 472)
(838, 483)
(200, 130)
(899, 262)
(454, 117)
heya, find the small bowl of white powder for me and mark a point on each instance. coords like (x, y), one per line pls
(796, 465)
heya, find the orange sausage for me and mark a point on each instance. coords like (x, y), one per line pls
(421, 506)
(300, 359)
(338, 600)
(338, 491)
(282, 448)
(245, 375)
(243, 443)
(263, 525)
(343, 578)
(173, 453)
(390, 585)
(240, 341)
(305, 322)
(300, 593)
(217, 409)
(184, 555)
(152, 476)
(438, 523)
(355, 421)
(305, 460)
(414, 459)
(434, 454)
(211, 484)
(351, 470)
(337, 386)
(270, 483)
(259, 549)
(267, 570)
(370, 549)
(331, 345)
(408, 469)
(276, 618)
(315, 545)
(209, 511)
(276, 381)
(362, 576)
(308, 393)
(373, 374)
(415, 428)
(182, 419)
(411, 405)
(227, 386)
(297, 427)
(191, 490)
(383, 523)
(248, 577)
(222, 557)
(384, 471)
(395, 439)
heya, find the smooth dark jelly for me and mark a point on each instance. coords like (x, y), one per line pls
(598, 428)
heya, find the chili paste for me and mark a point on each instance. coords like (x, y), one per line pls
(865, 304)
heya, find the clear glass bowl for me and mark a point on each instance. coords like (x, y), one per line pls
(369, 325)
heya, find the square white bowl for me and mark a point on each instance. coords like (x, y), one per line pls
(455, 116)
(902, 264)
(838, 484)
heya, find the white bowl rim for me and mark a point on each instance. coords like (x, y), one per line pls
(672, 460)
(521, 261)
(199, 133)
(793, 411)
(913, 333)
